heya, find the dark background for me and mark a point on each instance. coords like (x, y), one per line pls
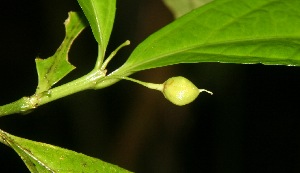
(250, 124)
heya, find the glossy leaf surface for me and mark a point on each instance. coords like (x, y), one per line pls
(41, 157)
(101, 15)
(54, 68)
(227, 31)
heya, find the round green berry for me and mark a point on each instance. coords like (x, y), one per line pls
(180, 90)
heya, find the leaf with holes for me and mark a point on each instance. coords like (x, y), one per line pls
(54, 68)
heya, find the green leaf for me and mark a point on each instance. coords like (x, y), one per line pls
(41, 157)
(54, 68)
(227, 31)
(181, 7)
(101, 15)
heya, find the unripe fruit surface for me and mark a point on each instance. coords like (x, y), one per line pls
(180, 90)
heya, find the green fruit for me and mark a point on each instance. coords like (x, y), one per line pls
(180, 90)
(177, 90)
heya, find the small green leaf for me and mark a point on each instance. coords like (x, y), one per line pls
(181, 7)
(54, 68)
(228, 31)
(41, 157)
(101, 15)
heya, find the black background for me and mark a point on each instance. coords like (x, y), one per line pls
(250, 124)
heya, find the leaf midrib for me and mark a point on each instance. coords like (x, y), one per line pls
(99, 28)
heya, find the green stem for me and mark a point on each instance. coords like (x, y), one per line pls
(100, 65)
(153, 86)
(25, 104)
(86, 82)
(96, 79)
(20, 105)
(126, 43)
(100, 58)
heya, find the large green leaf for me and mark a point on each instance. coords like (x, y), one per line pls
(54, 68)
(101, 15)
(181, 7)
(41, 157)
(228, 31)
